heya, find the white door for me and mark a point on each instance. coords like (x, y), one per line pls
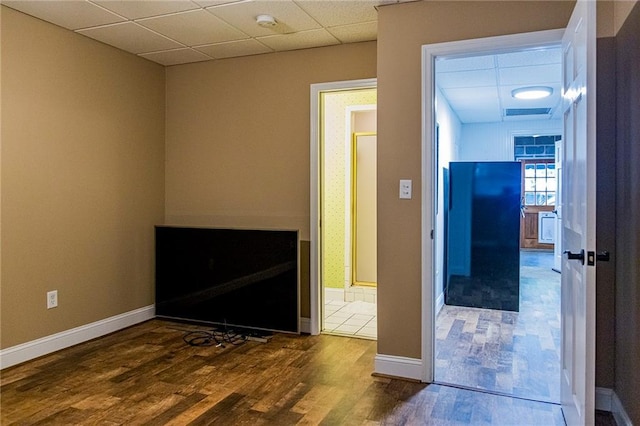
(578, 216)
(557, 248)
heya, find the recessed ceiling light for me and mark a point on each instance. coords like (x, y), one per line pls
(532, 92)
(266, 21)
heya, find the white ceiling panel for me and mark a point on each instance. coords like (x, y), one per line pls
(135, 9)
(467, 83)
(176, 56)
(465, 64)
(528, 58)
(131, 37)
(482, 98)
(466, 78)
(289, 17)
(536, 74)
(169, 31)
(301, 40)
(234, 49)
(193, 28)
(209, 3)
(70, 14)
(334, 13)
(356, 32)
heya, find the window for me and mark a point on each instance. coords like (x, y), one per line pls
(539, 182)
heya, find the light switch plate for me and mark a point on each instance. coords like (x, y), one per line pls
(405, 189)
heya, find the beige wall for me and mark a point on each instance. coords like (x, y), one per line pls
(621, 10)
(82, 178)
(237, 138)
(402, 30)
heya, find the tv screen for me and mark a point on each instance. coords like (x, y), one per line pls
(232, 277)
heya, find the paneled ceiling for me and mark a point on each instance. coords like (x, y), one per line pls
(172, 32)
(479, 88)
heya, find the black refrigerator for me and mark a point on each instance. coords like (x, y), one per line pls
(483, 235)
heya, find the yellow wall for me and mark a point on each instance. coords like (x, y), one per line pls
(402, 30)
(335, 179)
(82, 178)
(238, 135)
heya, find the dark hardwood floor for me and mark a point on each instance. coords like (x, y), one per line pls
(147, 374)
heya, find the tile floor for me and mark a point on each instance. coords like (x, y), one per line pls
(354, 319)
(516, 353)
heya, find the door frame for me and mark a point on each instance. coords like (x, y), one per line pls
(473, 47)
(314, 213)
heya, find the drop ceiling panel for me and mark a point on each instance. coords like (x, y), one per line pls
(301, 40)
(465, 64)
(208, 3)
(466, 83)
(71, 14)
(289, 17)
(530, 57)
(356, 32)
(177, 56)
(234, 49)
(477, 98)
(467, 78)
(131, 37)
(134, 9)
(193, 28)
(334, 13)
(537, 74)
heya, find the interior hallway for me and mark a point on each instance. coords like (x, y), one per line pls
(516, 353)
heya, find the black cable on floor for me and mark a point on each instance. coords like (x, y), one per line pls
(213, 338)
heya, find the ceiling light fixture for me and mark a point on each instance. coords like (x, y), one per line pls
(532, 92)
(266, 21)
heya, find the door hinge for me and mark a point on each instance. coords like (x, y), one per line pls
(432, 234)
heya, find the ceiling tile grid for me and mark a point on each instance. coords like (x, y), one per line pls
(172, 32)
(479, 88)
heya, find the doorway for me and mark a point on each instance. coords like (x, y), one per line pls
(343, 189)
(490, 364)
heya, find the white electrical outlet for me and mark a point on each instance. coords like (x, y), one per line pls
(405, 189)
(52, 299)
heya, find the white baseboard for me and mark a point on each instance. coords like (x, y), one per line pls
(604, 397)
(398, 366)
(305, 325)
(607, 400)
(439, 302)
(619, 413)
(55, 342)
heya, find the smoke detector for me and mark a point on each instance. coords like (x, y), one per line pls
(266, 21)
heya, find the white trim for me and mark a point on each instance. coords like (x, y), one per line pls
(314, 249)
(607, 400)
(604, 397)
(305, 325)
(398, 366)
(619, 414)
(439, 303)
(55, 342)
(461, 48)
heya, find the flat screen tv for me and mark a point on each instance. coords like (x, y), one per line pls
(229, 277)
